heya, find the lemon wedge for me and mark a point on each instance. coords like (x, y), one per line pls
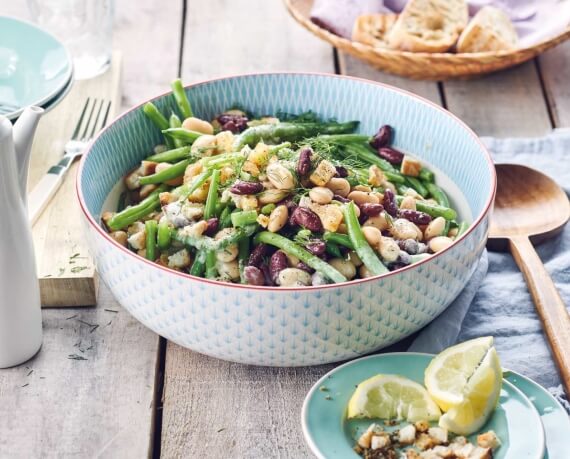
(480, 398)
(447, 374)
(392, 397)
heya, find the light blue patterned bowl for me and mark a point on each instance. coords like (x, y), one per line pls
(293, 326)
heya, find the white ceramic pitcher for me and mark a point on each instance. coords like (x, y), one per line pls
(20, 308)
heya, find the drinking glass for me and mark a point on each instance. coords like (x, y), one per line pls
(84, 26)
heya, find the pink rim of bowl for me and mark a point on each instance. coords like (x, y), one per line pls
(138, 258)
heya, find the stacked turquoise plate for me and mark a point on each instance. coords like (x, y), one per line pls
(35, 68)
(529, 421)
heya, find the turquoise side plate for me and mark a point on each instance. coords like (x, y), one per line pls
(553, 416)
(34, 66)
(330, 435)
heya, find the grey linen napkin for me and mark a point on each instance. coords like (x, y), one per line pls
(496, 300)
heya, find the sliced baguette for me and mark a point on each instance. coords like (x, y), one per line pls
(489, 30)
(373, 29)
(431, 26)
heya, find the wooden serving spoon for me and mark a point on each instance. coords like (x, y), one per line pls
(531, 207)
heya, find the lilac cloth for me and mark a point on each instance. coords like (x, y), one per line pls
(535, 20)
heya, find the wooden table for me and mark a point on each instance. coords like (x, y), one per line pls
(137, 395)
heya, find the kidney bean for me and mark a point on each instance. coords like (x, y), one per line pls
(241, 187)
(305, 267)
(304, 162)
(391, 155)
(256, 255)
(316, 247)
(340, 198)
(253, 275)
(390, 202)
(306, 218)
(383, 137)
(415, 216)
(341, 171)
(212, 227)
(277, 263)
(370, 209)
(233, 123)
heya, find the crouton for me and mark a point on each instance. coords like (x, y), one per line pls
(410, 166)
(407, 435)
(380, 441)
(323, 173)
(180, 259)
(424, 441)
(488, 440)
(438, 434)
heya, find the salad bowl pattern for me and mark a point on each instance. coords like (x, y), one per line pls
(292, 326)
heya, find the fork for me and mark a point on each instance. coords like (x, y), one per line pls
(84, 131)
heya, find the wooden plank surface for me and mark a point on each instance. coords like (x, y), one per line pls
(508, 103)
(226, 37)
(104, 406)
(59, 406)
(555, 70)
(65, 269)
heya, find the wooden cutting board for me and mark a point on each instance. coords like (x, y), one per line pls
(66, 271)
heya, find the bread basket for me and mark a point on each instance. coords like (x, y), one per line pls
(423, 66)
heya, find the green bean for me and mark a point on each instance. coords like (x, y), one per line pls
(163, 235)
(345, 138)
(368, 155)
(183, 191)
(446, 228)
(267, 209)
(280, 132)
(175, 122)
(244, 218)
(243, 256)
(437, 193)
(333, 249)
(305, 256)
(419, 257)
(211, 270)
(181, 99)
(150, 110)
(170, 156)
(338, 238)
(208, 243)
(198, 268)
(361, 246)
(131, 214)
(426, 175)
(417, 185)
(432, 209)
(394, 177)
(151, 228)
(225, 218)
(181, 133)
(212, 199)
(174, 171)
(463, 227)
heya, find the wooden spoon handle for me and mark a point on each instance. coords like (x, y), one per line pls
(549, 305)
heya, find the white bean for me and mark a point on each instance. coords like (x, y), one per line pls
(363, 197)
(293, 277)
(321, 195)
(198, 125)
(389, 249)
(278, 218)
(372, 236)
(404, 229)
(280, 176)
(345, 267)
(439, 243)
(339, 186)
(435, 228)
(228, 271)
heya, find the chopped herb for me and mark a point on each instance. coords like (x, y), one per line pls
(94, 328)
(221, 430)
(111, 310)
(47, 275)
(328, 397)
(61, 272)
(27, 384)
(30, 372)
(78, 269)
(71, 317)
(85, 323)
(75, 255)
(324, 389)
(76, 357)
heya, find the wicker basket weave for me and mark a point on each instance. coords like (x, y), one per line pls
(423, 66)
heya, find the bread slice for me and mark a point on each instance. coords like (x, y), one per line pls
(373, 29)
(489, 30)
(431, 26)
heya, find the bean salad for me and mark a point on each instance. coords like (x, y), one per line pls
(283, 200)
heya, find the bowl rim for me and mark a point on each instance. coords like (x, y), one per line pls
(261, 288)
